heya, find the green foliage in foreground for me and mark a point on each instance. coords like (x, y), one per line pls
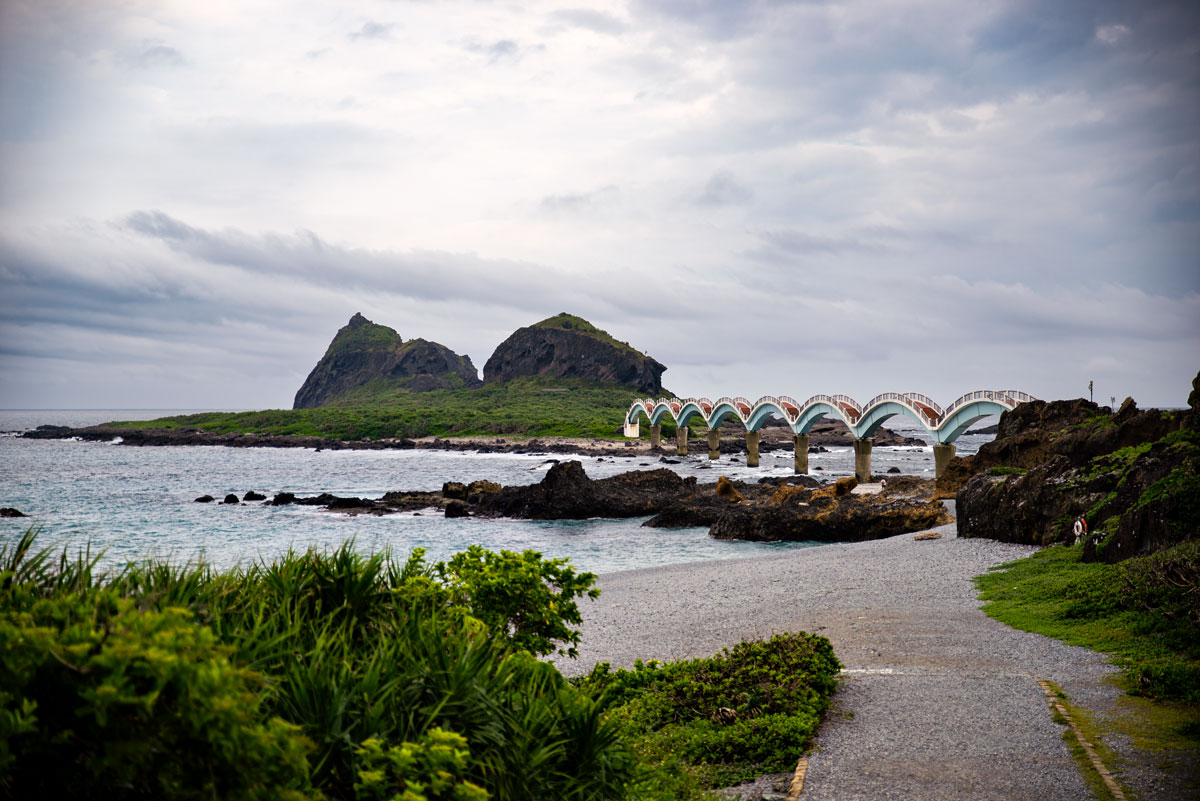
(707, 723)
(527, 407)
(339, 675)
(335, 675)
(1145, 611)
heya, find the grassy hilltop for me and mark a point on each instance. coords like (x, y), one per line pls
(535, 406)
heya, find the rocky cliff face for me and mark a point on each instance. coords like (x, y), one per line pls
(569, 347)
(364, 353)
(1134, 475)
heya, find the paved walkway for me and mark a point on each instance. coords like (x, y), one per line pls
(939, 701)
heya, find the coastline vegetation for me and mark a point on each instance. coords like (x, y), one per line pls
(536, 406)
(340, 675)
(1144, 612)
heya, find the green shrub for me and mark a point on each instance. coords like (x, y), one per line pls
(528, 600)
(749, 710)
(102, 698)
(430, 770)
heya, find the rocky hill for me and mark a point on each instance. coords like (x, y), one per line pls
(363, 352)
(1134, 475)
(565, 346)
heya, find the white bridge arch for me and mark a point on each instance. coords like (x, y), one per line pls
(944, 425)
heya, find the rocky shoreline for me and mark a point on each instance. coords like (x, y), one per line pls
(773, 438)
(794, 509)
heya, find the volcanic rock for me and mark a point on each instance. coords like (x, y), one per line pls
(205, 499)
(254, 496)
(566, 493)
(230, 498)
(565, 346)
(363, 352)
(1133, 474)
(8, 511)
(457, 509)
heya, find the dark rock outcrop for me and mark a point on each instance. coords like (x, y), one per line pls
(565, 346)
(363, 353)
(205, 499)
(566, 493)
(1134, 475)
(231, 498)
(254, 496)
(8, 511)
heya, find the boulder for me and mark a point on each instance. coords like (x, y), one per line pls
(454, 490)
(205, 499)
(8, 511)
(457, 509)
(231, 498)
(254, 496)
(283, 499)
(567, 493)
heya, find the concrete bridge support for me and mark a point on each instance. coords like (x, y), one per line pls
(655, 437)
(942, 454)
(681, 435)
(862, 459)
(751, 449)
(800, 442)
(714, 444)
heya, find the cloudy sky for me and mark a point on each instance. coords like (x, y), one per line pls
(767, 197)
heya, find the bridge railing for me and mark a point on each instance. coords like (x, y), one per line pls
(1008, 398)
(921, 405)
(904, 400)
(925, 400)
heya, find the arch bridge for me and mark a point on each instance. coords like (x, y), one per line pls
(944, 425)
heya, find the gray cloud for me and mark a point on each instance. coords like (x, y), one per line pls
(579, 202)
(723, 189)
(590, 19)
(372, 30)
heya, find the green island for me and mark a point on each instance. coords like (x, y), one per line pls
(343, 676)
(532, 406)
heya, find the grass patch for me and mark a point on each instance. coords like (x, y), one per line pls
(570, 322)
(1005, 470)
(520, 407)
(1091, 732)
(1144, 612)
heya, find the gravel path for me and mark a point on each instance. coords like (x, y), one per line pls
(938, 701)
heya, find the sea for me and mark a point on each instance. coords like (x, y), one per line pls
(130, 503)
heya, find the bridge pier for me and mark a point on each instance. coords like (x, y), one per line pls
(681, 435)
(942, 454)
(862, 459)
(714, 443)
(800, 443)
(655, 437)
(751, 449)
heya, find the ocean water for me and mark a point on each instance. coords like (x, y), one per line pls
(133, 503)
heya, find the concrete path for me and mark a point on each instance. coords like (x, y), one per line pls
(938, 701)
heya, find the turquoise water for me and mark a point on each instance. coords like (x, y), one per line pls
(135, 503)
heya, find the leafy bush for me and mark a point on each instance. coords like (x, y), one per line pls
(101, 698)
(749, 710)
(529, 600)
(431, 770)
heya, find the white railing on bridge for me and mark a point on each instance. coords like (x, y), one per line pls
(904, 400)
(1008, 398)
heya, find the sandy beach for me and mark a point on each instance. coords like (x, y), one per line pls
(938, 701)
